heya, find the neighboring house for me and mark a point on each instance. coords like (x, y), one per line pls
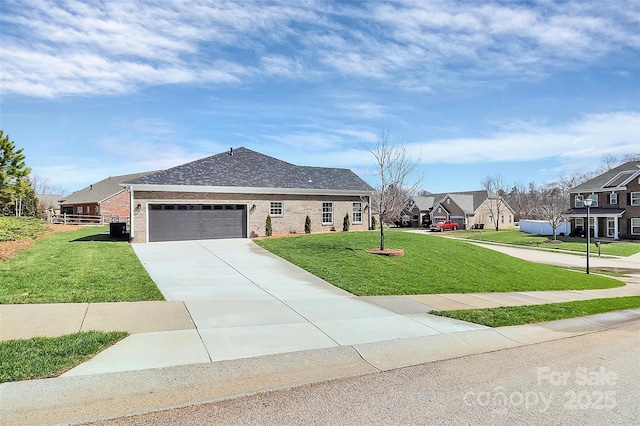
(469, 209)
(230, 195)
(49, 203)
(105, 198)
(615, 212)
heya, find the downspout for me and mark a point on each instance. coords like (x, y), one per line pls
(131, 211)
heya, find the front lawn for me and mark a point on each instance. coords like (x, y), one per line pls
(519, 238)
(517, 315)
(42, 357)
(76, 266)
(430, 265)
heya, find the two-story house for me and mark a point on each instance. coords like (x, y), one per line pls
(615, 211)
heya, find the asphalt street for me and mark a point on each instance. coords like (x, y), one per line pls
(592, 379)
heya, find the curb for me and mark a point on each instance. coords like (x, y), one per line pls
(81, 399)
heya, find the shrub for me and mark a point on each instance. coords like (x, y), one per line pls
(307, 225)
(374, 222)
(268, 230)
(346, 223)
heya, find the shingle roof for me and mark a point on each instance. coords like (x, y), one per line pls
(100, 191)
(251, 169)
(469, 201)
(611, 179)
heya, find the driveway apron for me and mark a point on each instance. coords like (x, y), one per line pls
(245, 301)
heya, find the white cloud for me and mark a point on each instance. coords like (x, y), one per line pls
(57, 48)
(589, 138)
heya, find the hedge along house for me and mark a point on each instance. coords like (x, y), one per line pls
(230, 195)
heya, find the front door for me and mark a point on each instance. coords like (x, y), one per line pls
(611, 227)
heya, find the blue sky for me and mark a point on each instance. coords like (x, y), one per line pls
(528, 90)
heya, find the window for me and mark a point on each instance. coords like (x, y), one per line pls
(635, 198)
(579, 223)
(491, 218)
(448, 200)
(327, 213)
(357, 213)
(80, 210)
(635, 226)
(579, 201)
(276, 208)
(594, 197)
(613, 198)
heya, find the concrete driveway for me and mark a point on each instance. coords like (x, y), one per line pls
(241, 294)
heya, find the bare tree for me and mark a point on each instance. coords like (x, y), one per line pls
(42, 185)
(496, 191)
(394, 167)
(553, 207)
(631, 157)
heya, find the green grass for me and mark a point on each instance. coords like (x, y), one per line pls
(76, 266)
(430, 265)
(21, 228)
(517, 315)
(519, 238)
(43, 357)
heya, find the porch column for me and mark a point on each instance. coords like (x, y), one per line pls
(595, 226)
(615, 228)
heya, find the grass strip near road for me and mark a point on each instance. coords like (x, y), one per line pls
(21, 228)
(43, 357)
(76, 266)
(429, 265)
(519, 238)
(518, 315)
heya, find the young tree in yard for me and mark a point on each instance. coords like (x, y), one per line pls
(553, 207)
(14, 182)
(496, 191)
(394, 167)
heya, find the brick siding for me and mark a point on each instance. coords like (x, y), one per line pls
(296, 209)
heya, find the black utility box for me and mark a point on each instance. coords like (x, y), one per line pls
(118, 229)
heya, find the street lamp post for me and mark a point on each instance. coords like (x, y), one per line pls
(588, 203)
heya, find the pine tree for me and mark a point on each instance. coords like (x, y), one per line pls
(14, 184)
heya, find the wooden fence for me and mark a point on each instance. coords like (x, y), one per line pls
(80, 219)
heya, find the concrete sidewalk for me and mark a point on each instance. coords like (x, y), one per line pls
(86, 398)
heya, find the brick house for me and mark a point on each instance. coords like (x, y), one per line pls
(615, 212)
(467, 208)
(105, 198)
(230, 195)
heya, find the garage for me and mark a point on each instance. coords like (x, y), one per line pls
(180, 222)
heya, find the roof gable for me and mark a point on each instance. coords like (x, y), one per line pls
(244, 168)
(617, 177)
(100, 191)
(468, 201)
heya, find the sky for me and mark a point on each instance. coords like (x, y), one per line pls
(525, 90)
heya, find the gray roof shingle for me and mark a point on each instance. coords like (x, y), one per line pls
(598, 182)
(101, 190)
(251, 169)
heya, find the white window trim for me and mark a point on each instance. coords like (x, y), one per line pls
(594, 197)
(636, 201)
(79, 209)
(579, 222)
(613, 196)
(354, 211)
(271, 209)
(637, 220)
(323, 212)
(579, 201)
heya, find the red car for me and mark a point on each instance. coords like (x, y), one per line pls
(444, 225)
